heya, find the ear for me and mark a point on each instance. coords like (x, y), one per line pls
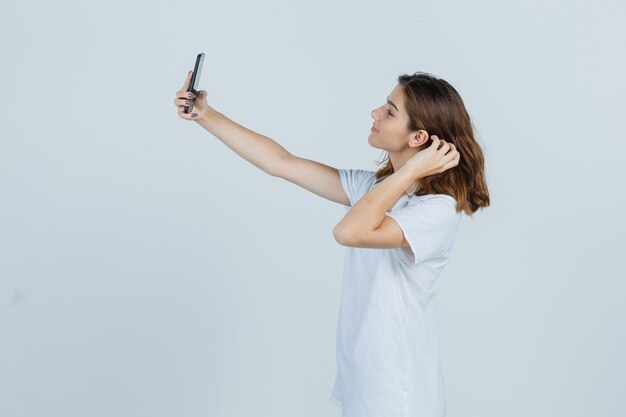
(418, 138)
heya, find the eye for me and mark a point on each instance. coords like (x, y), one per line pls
(389, 112)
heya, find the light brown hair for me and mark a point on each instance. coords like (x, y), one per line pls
(435, 106)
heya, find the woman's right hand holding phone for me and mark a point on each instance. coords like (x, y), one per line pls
(197, 103)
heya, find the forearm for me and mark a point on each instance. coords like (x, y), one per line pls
(255, 148)
(369, 212)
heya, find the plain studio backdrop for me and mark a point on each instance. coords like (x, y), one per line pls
(148, 270)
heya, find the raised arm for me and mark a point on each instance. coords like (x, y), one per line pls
(272, 158)
(260, 150)
(318, 178)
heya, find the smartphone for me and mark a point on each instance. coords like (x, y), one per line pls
(195, 77)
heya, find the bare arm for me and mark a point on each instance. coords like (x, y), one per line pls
(275, 160)
(259, 150)
(316, 177)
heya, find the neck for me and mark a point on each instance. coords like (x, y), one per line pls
(397, 162)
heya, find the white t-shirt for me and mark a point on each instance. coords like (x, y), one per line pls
(388, 357)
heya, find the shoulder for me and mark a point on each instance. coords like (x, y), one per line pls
(356, 182)
(356, 174)
(429, 224)
(444, 202)
(434, 209)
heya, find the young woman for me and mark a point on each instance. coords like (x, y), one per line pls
(399, 229)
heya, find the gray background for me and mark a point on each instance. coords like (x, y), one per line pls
(147, 270)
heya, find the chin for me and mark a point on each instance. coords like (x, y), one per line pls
(373, 144)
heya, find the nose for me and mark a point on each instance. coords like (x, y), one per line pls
(373, 114)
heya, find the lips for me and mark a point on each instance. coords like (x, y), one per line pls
(374, 129)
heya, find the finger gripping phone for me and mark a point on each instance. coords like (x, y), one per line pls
(195, 77)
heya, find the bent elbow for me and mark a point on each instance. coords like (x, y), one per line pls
(342, 237)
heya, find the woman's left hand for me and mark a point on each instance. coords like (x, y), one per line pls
(435, 159)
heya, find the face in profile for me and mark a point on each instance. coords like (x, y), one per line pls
(391, 123)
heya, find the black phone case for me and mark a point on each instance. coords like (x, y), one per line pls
(195, 77)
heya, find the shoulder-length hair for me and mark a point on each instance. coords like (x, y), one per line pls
(435, 106)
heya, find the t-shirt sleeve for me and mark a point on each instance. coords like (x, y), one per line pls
(429, 226)
(356, 183)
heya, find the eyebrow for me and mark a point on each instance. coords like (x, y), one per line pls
(392, 104)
